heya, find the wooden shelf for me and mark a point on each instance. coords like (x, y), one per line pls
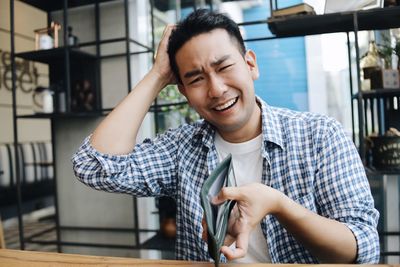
(52, 5)
(374, 19)
(373, 171)
(378, 93)
(41, 164)
(55, 55)
(61, 115)
(168, 106)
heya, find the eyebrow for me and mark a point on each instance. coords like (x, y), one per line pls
(220, 61)
(213, 64)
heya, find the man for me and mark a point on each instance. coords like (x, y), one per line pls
(303, 194)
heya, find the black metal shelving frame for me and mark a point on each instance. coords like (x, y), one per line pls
(355, 21)
(372, 19)
(45, 56)
(65, 53)
(348, 22)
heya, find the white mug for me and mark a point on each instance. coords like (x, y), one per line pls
(42, 100)
(45, 42)
(48, 103)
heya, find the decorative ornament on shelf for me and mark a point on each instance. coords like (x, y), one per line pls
(388, 77)
(396, 51)
(371, 61)
(83, 96)
(47, 38)
(72, 39)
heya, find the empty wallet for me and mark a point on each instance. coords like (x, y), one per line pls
(217, 215)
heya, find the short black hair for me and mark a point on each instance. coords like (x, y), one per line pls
(198, 22)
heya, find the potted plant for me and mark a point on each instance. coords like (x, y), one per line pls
(396, 51)
(173, 116)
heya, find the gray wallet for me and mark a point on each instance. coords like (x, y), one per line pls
(217, 215)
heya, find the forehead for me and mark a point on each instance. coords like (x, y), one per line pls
(207, 47)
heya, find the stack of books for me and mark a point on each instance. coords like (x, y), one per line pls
(296, 10)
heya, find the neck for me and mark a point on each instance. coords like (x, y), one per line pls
(250, 130)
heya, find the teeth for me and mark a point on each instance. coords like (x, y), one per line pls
(226, 105)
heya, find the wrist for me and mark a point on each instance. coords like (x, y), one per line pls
(279, 200)
(162, 79)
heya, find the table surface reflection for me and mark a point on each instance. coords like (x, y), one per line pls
(18, 258)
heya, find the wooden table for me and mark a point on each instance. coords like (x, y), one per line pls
(18, 258)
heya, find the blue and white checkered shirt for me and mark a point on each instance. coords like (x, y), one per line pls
(306, 156)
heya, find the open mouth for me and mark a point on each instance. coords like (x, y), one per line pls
(226, 105)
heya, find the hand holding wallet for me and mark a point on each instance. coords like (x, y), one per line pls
(217, 215)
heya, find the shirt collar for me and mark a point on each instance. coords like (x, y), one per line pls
(203, 134)
(271, 125)
(271, 128)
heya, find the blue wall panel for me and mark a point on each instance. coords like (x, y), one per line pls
(282, 62)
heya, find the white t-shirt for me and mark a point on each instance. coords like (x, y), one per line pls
(247, 165)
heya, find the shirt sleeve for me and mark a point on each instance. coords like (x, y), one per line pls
(343, 192)
(149, 170)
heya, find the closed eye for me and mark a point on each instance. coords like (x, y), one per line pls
(195, 80)
(226, 67)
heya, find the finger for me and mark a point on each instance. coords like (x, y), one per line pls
(242, 243)
(232, 253)
(229, 240)
(169, 28)
(165, 37)
(167, 32)
(233, 216)
(226, 193)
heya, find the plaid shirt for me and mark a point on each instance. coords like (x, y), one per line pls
(306, 156)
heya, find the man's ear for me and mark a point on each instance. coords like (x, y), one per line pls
(182, 89)
(251, 61)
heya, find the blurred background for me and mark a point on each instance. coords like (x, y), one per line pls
(66, 64)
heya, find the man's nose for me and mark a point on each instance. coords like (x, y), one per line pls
(216, 86)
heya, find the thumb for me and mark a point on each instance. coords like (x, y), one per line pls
(232, 193)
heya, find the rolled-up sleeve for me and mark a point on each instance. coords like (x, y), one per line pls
(149, 170)
(343, 192)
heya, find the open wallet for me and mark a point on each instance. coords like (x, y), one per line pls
(217, 215)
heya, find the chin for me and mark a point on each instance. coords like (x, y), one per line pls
(229, 127)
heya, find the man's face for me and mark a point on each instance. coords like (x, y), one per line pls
(219, 84)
